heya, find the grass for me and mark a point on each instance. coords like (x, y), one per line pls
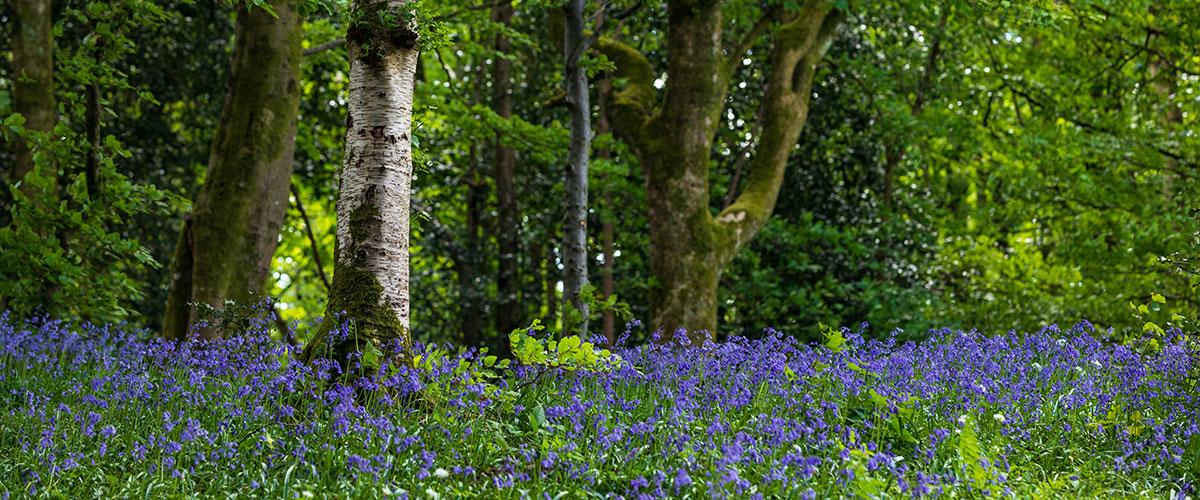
(97, 411)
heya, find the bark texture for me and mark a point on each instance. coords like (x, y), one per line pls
(689, 247)
(225, 248)
(603, 88)
(33, 62)
(508, 312)
(575, 184)
(370, 277)
(468, 263)
(607, 227)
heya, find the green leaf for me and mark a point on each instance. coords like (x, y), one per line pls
(370, 357)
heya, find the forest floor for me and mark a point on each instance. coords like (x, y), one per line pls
(100, 412)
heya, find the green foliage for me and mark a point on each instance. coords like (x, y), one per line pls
(569, 353)
(597, 307)
(972, 461)
(376, 29)
(234, 316)
(1027, 187)
(1158, 325)
(444, 382)
(67, 253)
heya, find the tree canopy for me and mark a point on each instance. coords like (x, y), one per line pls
(754, 164)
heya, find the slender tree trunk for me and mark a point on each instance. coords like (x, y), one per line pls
(508, 312)
(91, 120)
(688, 246)
(33, 92)
(893, 151)
(370, 277)
(468, 263)
(312, 239)
(1166, 85)
(472, 312)
(550, 276)
(604, 87)
(576, 183)
(227, 243)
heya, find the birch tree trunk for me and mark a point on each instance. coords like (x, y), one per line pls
(370, 277)
(576, 183)
(227, 242)
(33, 92)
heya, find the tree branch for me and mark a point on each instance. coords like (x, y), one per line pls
(799, 46)
(632, 106)
(312, 239)
(1092, 127)
(316, 49)
(455, 13)
(588, 41)
(752, 36)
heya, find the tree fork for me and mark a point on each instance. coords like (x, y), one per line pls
(688, 246)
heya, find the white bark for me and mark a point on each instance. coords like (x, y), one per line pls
(377, 170)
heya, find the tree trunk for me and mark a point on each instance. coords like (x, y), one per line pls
(689, 247)
(91, 119)
(370, 277)
(472, 312)
(225, 249)
(576, 183)
(607, 230)
(551, 280)
(508, 313)
(33, 91)
(467, 263)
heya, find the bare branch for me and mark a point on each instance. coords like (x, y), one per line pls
(312, 240)
(586, 43)
(316, 49)
(751, 37)
(481, 6)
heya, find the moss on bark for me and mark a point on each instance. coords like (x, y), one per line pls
(33, 92)
(237, 216)
(357, 294)
(689, 247)
(375, 29)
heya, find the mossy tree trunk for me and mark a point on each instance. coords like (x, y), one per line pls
(33, 91)
(689, 246)
(370, 277)
(227, 242)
